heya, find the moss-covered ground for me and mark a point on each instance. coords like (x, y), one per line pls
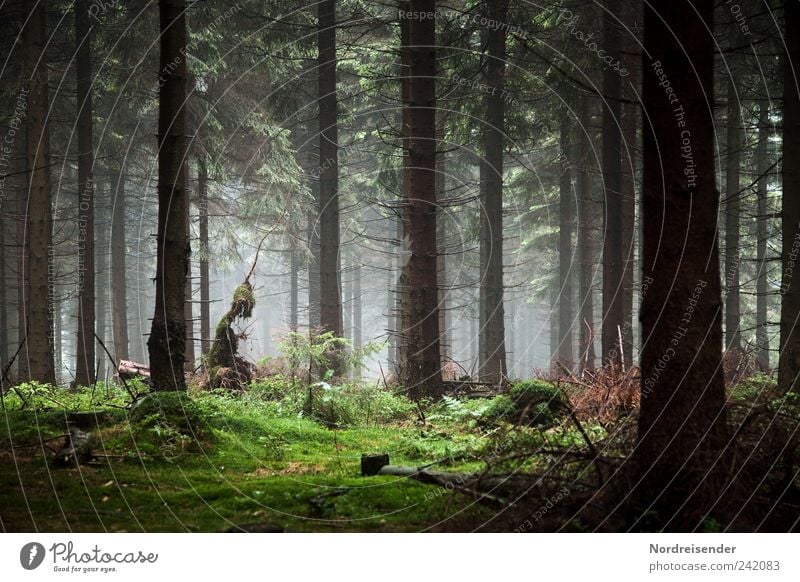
(215, 462)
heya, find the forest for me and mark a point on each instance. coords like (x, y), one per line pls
(399, 266)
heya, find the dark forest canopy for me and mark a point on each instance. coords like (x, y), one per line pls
(562, 234)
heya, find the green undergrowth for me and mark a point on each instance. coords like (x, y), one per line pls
(212, 461)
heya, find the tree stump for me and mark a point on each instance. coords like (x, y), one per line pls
(372, 464)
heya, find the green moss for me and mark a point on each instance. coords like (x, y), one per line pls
(249, 462)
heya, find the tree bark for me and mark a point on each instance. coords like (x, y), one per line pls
(586, 210)
(294, 272)
(167, 341)
(733, 337)
(680, 462)
(103, 283)
(566, 216)
(422, 369)
(762, 284)
(329, 264)
(494, 368)
(119, 298)
(85, 360)
(789, 360)
(188, 304)
(205, 280)
(628, 159)
(38, 297)
(613, 224)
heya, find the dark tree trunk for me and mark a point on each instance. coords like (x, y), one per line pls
(762, 284)
(613, 224)
(4, 311)
(205, 280)
(629, 148)
(789, 360)
(494, 367)
(85, 360)
(167, 341)
(733, 337)
(680, 459)
(103, 282)
(422, 369)
(38, 299)
(119, 299)
(329, 264)
(586, 210)
(566, 214)
(188, 305)
(444, 312)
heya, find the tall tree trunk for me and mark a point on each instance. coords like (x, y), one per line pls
(347, 303)
(762, 284)
(391, 325)
(613, 224)
(628, 159)
(103, 282)
(789, 360)
(119, 298)
(566, 215)
(5, 283)
(733, 337)
(680, 461)
(357, 307)
(188, 304)
(313, 260)
(205, 280)
(167, 341)
(494, 368)
(85, 360)
(422, 369)
(444, 312)
(38, 296)
(294, 267)
(330, 267)
(586, 209)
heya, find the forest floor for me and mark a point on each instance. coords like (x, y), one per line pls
(281, 456)
(219, 463)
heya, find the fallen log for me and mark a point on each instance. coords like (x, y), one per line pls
(128, 369)
(476, 485)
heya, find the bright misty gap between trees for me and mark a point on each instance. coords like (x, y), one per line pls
(399, 266)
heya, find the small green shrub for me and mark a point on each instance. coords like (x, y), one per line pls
(530, 403)
(355, 404)
(37, 396)
(758, 386)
